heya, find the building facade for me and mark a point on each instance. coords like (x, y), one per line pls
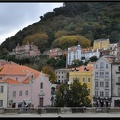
(115, 84)
(26, 51)
(62, 75)
(85, 75)
(3, 94)
(101, 44)
(102, 82)
(26, 84)
(76, 52)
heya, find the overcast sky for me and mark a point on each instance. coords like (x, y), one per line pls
(16, 16)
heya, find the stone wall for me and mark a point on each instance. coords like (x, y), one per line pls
(59, 110)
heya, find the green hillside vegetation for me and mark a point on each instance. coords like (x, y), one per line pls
(75, 22)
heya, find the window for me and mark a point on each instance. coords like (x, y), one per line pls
(74, 55)
(118, 79)
(0, 78)
(41, 85)
(118, 91)
(1, 89)
(59, 81)
(96, 74)
(101, 74)
(101, 65)
(83, 79)
(96, 93)
(16, 78)
(96, 84)
(106, 65)
(20, 104)
(62, 76)
(89, 91)
(14, 93)
(118, 68)
(107, 94)
(101, 84)
(101, 94)
(88, 79)
(1, 103)
(106, 84)
(106, 74)
(96, 66)
(20, 93)
(26, 92)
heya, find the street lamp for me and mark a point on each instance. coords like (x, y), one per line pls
(52, 99)
(65, 92)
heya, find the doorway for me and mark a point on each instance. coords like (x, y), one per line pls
(40, 102)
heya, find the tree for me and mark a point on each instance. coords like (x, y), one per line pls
(51, 62)
(59, 99)
(60, 63)
(77, 95)
(61, 33)
(77, 63)
(68, 41)
(48, 70)
(93, 59)
(38, 39)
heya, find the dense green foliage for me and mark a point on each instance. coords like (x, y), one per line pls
(76, 96)
(93, 20)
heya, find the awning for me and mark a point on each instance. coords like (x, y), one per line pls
(27, 102)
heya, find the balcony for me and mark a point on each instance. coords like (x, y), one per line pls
(101, 98)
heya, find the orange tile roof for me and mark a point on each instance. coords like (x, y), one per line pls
(1, 81)
(109, 59)
(10, 81)
(26, 80)
(81, 68)
(17, 69)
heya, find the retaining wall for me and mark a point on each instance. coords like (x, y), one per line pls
(61, 110)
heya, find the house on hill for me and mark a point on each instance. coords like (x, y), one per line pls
(25, 51)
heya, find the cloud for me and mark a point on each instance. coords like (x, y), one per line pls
(16, 16)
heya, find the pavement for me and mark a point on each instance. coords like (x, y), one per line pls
(55, 115)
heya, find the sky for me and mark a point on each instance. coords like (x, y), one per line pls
(15, 16)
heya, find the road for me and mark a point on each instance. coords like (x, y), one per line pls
(55, 115)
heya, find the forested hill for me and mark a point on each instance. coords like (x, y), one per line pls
(73, 23)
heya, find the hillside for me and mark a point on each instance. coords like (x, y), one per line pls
(91, 20)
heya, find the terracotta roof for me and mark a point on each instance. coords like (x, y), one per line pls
(82, 68)
(26, 80)
(1, 81)
(109, 59)
(17, 69)
(10, 81)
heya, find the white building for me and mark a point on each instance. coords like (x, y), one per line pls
(76, 52)
(62, 75)
(102, 81)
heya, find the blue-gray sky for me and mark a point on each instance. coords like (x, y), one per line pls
(16, 16)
